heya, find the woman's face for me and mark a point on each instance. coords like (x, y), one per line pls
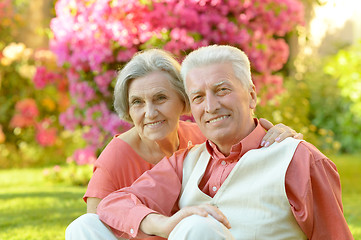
(154, 106)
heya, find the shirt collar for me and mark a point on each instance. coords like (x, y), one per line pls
(252, 141)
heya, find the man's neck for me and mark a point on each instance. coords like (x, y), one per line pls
(226, 147)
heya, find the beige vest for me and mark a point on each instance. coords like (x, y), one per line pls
(253, 197)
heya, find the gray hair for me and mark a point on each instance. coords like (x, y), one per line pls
(142, 64)
(219, 54)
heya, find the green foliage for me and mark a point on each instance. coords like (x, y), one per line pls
(335, 98)
(71, 173)
(324, 104)
(346, 67)
(293, 108)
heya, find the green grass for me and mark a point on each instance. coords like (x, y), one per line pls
(349, 168)
(34, 209)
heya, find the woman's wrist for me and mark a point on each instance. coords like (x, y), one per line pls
(152, 224)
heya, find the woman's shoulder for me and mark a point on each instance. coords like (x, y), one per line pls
(190, 132)
(117, 151)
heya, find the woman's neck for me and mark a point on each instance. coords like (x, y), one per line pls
(154, 151)
(169, 145)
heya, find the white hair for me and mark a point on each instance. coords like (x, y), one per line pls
(219, 54)
(142, 64)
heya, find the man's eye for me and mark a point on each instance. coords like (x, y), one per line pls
(223, 91)
(197, 99)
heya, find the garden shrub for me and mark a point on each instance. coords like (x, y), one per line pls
(336, 96)
(93, 39)
(324, 103)
(293, 107)
(31, 100)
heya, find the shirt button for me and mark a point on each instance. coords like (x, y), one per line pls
(223, 163)
(214, 188)
(131, 231)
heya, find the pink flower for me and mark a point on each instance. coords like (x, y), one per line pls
(103, 81)
(45, 135)
(84, 156)
(46, 172)
(26, 113)
(69, 119)
(57, 168)
(82, 92)
(43, 77)
(92, 39)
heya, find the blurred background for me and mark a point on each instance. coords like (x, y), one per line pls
(58, 61)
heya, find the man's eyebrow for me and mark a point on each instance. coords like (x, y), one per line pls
(194, 92)
(214, 85)
(219, 84)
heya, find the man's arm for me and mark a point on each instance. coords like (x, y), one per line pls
(314, 191)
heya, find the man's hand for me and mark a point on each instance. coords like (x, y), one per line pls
(160, 225)
(277, 133)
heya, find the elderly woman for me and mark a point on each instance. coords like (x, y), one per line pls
(149, 93)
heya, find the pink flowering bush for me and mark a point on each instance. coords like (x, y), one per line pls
(33, 92)
(26, 112)
(92, 39)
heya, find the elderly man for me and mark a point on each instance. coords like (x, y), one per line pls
(230, 187)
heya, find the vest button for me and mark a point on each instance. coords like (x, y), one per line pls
(214, 188)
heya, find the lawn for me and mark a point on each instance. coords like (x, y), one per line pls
(34, 209)
(349, 168)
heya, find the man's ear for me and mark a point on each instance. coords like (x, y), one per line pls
(253, 98)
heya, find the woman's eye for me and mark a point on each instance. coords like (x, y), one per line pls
(136, 102)
(161, 98)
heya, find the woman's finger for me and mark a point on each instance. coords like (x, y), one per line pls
(265, 123)
(217, 214)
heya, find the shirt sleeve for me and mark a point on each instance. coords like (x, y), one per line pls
(100, 184)
(157, 190)
(118, 166)
(314, 191)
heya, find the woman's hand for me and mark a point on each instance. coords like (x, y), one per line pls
(160, 225)
(277, 133)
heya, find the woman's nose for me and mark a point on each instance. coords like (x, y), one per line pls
(151, 111)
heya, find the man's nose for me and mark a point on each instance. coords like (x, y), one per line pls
(211, 103)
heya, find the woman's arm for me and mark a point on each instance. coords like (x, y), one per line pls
(92, 204)
(277, 133)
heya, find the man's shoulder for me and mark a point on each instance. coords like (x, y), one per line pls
(306, 148)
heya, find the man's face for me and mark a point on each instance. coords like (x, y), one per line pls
(221, 105)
